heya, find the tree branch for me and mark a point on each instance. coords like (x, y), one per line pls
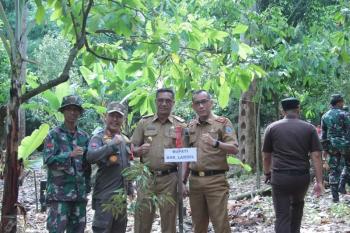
(87, 46)
(72, 55)
(75, 26)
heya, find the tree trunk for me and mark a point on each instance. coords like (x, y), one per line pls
(247, 125)
(10, 195)
(12, 166)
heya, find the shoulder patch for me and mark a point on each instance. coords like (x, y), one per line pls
(222, 120)
(148, 116)
(179, 119)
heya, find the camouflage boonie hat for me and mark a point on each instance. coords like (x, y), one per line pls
(116, 107)
(71, 100)
(336, 98)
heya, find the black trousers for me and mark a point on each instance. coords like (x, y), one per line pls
(288, 194)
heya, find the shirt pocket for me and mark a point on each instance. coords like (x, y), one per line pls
(214, 133)
(150, 134)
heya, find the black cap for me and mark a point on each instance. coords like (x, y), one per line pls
(290, 103)
(336, 98)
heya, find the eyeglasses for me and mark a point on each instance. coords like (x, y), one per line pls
(166, 101)
(199, 102)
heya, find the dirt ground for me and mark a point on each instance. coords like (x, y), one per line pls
(248, 215)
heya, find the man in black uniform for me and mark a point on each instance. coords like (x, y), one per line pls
(286, 149)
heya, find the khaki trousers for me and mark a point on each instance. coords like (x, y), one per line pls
(144, 215)
(208, 200)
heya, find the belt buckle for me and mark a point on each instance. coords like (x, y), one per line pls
(201, 173)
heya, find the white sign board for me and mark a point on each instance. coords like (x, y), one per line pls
(176, 155)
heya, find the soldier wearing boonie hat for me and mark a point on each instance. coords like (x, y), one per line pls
(68, 173)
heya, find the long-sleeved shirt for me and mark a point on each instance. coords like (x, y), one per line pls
(109, 175)
(68, 179)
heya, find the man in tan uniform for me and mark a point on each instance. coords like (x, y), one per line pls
(214, 138)
(153, 134)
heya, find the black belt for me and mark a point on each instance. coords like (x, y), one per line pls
(164, 172)
(292, 172)
(207, 173)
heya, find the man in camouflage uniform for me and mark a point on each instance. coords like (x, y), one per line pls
(335, 125)
(345, 174)
(214, 138)
(109, 150)
(152, 134)
(68, 172)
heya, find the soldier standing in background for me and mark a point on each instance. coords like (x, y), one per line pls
(109, 150)
(152, 134)
(214, 138)
(335, 137)
(68, 173)
(286, 148)
(344, 167)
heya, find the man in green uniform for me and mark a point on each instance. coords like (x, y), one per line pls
(345, 169)
(68, 173)
(109, 150)
(153, 134)
(214, 138)
(335, 125)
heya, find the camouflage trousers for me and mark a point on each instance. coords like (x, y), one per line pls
(338, 166)
(66, 216)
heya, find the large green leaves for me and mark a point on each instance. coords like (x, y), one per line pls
(30, 143)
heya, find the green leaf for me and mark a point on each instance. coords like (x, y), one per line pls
(30, 143)
(247, 167)
(40, 13)
(134, 67)
(52, 99)
(175, 44)
(224, 95)
(239, 29)
(218, 35)
(56, 14)
(62, 90)
(233, 161)
(144, 106)
(244, 50)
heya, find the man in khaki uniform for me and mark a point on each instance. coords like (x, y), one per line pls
(214, 138)
(153, 134)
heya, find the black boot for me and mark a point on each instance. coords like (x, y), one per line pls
(335, 193)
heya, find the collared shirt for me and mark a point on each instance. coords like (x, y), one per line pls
(208, 157)
(68, 179)
(160, 136)
(109, 175)
(290, 140)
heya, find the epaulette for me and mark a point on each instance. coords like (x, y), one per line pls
(222, 120)
(179, 119)
(148, 116)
